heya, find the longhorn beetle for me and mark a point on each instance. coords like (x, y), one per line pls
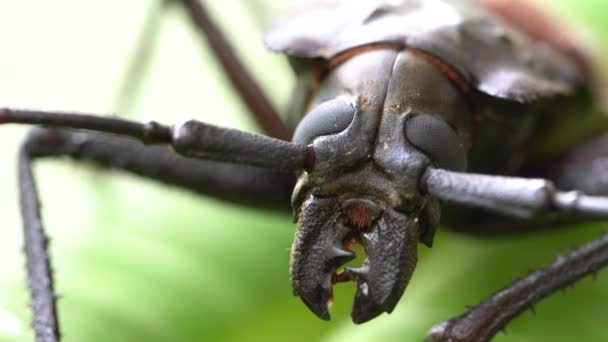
(366, 213)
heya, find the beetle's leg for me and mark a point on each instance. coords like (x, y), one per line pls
(237, 183)
(192, 139)
(240, 78)
(484, 320)
(39, 274)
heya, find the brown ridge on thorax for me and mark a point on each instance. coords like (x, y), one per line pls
(350, 53)
(446, 69)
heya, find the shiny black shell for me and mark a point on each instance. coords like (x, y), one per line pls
(496, 59)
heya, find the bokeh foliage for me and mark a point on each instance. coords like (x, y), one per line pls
(137, 261)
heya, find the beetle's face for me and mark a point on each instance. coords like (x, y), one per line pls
(364, 188)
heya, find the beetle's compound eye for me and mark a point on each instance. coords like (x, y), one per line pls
(438, 140)
(329, 117)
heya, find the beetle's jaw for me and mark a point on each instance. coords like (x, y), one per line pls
(325, 228)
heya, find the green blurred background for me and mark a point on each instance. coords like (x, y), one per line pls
(139, 261)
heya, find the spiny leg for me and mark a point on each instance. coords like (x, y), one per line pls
(193, 139)
(240, 78)
(223, 180)
(482, 321)
(582, 168)
(39, 273)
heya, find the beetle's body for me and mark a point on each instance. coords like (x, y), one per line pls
(461, 89)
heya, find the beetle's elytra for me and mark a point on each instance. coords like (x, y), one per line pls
(404, 122)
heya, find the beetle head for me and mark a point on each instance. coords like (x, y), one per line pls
(359, 191)
(326, 228)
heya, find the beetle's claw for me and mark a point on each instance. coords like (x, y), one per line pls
(376, 293)
(317, 296)
(390, 243)
(364, 306)
(318, 305)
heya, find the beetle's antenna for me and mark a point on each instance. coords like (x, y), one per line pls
(515, 196)
(192, 139)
